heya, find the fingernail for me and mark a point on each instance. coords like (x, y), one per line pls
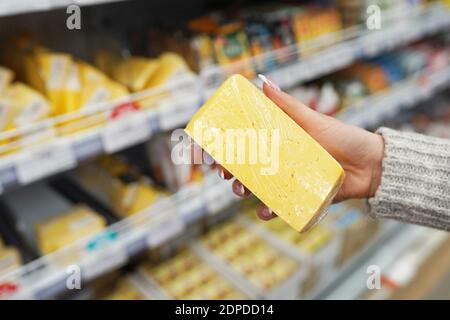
(266, 212)
(207, 158)
(222, 174)
(270, 83)
(241, 190)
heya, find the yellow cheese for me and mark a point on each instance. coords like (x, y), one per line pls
(135, 72)
(72, 89)
(54, 69)
(58, 232)
(6, 77)
(27, 105)
(170, 65)
(272, 155)
(9, 259)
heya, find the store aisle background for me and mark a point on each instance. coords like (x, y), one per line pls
(86, 178)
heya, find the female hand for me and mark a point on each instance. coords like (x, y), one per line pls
(359, 152)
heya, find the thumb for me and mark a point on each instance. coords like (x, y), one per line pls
(303, 115)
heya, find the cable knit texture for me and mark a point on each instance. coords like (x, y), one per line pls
(415, 183)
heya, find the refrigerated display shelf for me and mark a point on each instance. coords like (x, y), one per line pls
(62, 153)
(112, 248)
(370, 111)
(11, 7)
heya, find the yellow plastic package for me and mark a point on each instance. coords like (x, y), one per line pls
(267, 151)
(119, 185)
(54, 69)
(135, 72)
(6, 77)
(60, 231)
(9, 259)
(26, 105)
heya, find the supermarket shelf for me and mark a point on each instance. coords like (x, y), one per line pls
(111, 249)
(372, 110)
(64, 152)
(11, 7)
(355, 43)
(399, 260)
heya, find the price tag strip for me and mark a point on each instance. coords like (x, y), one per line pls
(125, 131)
(44, 161)
(175, 113)
(166, 226)
(101, 260)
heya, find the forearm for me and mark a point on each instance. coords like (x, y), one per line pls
(415, 180)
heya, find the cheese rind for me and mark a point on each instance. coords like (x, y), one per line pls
(300, 179)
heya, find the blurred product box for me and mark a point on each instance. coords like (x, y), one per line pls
(187, 276)
(118, 185)
(251, 262)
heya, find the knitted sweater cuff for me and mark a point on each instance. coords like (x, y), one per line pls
(415, 181)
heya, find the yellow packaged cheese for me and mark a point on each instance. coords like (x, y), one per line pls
(135, 72)
(267, 151)
(54, 69)
(6, 77)
(9, 259)
(170, 66)
(25, 105)
(60, 231)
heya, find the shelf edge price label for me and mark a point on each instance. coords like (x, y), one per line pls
(45, 161)
(173, 113)
(191, 201)
(164, 228)
(104, 259)
(125, 131)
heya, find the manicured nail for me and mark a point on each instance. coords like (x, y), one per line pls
(207, 159)
(266, 212)
(270, 83)
(221, 174)
(241, 190)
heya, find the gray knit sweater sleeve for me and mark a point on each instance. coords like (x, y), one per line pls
(415, 182)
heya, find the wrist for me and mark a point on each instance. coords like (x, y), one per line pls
(377, 165)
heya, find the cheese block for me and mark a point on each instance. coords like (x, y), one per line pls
(27, 105)
(6, 77)
(170, 67)
(64, 229)
(267, 151)
(9, 259)
(135, 72)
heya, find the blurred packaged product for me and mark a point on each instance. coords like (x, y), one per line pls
(282, 36)
(172, 173)
(26, 106)
(118, 185)
(135, 72)
(186, 276)
(232, 49)
(249, 255)
(6, 77)
(9, 259)
(58, 232)
(313, 23)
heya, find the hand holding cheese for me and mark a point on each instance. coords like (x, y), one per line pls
(358, 151)
(308, 177)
